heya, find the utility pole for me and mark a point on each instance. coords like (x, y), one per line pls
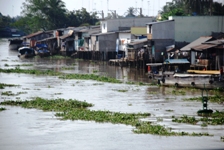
(148, 8)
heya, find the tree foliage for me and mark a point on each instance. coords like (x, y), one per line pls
(52, 14)
(191, 8)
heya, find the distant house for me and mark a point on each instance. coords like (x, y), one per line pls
(34, 37)
(112, 25)
(124, 37)
(160, 35)
(206, 52)
(105, 43)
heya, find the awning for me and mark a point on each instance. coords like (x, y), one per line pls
(202, 47)
(46, 39)
(195, 43)
(154, 64)
(176, 61)
(65, 36)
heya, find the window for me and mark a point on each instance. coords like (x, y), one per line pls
(104, 25)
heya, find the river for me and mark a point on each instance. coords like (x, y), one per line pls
(25, 129)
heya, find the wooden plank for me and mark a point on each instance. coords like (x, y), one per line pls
(215, 72)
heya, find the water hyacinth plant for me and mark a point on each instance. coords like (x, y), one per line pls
(62, 75)
(77, 110)
(2, 108)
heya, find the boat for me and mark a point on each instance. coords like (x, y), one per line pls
(42, 50)
(175, 72)
(26, 52)
(15, 43)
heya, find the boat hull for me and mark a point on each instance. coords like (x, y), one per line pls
(14, 44)
(190, 81)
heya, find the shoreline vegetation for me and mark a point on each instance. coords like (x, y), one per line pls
(77, 110)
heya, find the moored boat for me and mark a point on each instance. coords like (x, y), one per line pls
(42, 50)
(160, 73)
(26, 52)
(14, 44)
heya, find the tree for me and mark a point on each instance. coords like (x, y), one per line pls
(131, 12)
(46, 14)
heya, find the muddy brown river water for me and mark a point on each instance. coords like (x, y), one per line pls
(26, 129)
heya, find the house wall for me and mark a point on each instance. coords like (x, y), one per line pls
(107, 42)
(164, 30)
(124, 39)
(159, 47)
(114, 24)
(139, 30)
(190, 28)
(93, 43)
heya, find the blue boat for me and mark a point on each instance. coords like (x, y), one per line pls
(42, 50)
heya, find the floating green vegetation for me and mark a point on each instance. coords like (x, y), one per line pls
(120, 90)
(130, 82)
(169, 110)
(67, 68)
(9, 93)
(217, 118)
(178, 92)
(57, 93)
(153, 92)
(59, 57)
(97, 83)
(2, 108)
(95, 71)
(76, 110)
(91, 77)
(62, 75)
(3, 85)
(6, 65)
(222, 138)
(215, 98)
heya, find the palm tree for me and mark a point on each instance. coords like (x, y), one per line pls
(131, 12)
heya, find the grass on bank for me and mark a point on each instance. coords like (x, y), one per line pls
(76, 110)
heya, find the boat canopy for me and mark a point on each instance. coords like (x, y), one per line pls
(176, 61)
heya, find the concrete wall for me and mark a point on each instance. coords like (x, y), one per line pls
(107, 42)
(159, 47)
(114, 24)
(124, 39)
(190, 28)
(164, 30)
(93, 43)
(139, 30)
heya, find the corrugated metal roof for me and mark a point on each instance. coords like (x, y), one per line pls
(196, 42)
(217, 42)
(203, 47)
(67, 35)
(176, 61)
(138, 42)
(104, 33)
(50, 38)
(34, 34)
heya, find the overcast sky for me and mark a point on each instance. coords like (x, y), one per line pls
(149, 7)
